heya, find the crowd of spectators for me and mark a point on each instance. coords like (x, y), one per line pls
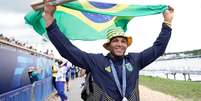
(15, 42)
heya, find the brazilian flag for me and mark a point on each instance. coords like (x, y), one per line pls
(89, 20)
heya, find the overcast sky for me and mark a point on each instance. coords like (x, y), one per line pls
(186, 34)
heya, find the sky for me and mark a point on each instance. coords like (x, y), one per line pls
(186, 33)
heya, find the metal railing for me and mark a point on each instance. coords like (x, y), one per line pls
(38, 91)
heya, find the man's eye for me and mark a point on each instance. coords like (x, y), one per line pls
(123, 41)
(114, 40)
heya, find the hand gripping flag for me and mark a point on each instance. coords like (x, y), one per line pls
(87, 20)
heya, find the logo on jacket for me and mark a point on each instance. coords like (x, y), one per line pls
(129, 67)
(108, 69)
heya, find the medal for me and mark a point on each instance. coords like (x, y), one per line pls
(124, 99)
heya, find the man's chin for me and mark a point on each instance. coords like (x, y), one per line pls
(119, 54)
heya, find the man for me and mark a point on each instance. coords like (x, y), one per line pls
(61, 80)
(54, 73)
(115, 76)
(72, 72)
(68, 65)
(34, 74)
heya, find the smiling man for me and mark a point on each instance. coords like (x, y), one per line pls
(117, 41)
(115, 76)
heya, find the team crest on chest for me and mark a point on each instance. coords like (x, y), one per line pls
(129, 67)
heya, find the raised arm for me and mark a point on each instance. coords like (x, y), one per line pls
(159, 46)
(49, 12)
(63, 45)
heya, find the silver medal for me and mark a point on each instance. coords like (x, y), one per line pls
(124, 99)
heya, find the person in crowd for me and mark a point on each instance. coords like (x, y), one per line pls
(86, 84)
(54, 72)
(68, 65)
(72, 71)
(77, 70)
(61, 80)
(115, 76)
(34, 74)
(51, 54)
(83, 74)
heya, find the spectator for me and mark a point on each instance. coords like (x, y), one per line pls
(34, 74)
(61, 80)
(54, 72)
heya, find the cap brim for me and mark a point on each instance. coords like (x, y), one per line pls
(106, 45)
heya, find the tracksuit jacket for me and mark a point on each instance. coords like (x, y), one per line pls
(105, 88)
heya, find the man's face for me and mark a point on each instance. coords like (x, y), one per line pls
(118, 46)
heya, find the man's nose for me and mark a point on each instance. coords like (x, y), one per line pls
(119, 43)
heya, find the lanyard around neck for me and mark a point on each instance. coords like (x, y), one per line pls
(122, 89)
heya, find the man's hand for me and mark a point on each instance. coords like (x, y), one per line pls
(168, 15)
(49, 13)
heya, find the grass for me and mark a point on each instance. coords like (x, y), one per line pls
(180, 89)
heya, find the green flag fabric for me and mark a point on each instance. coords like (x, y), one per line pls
(87, 20)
